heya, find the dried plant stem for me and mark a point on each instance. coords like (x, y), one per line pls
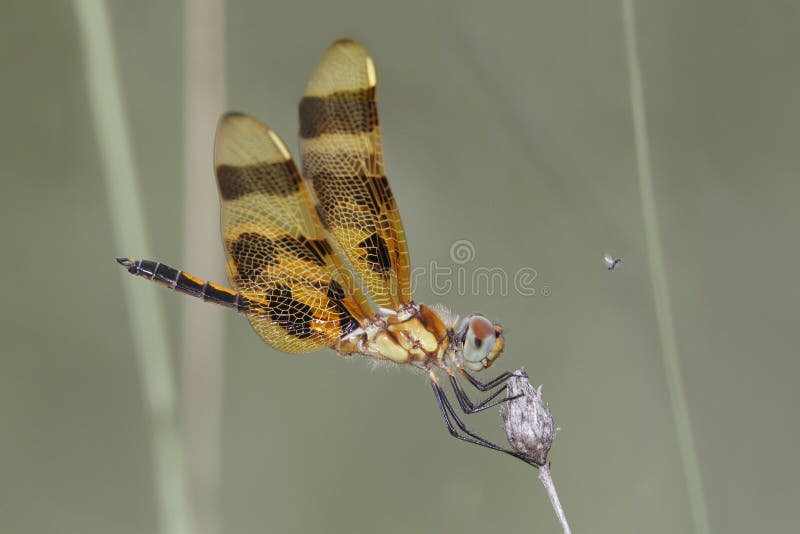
(547, 482)
(530, 430)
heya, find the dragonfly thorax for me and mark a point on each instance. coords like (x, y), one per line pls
(414, 335)
(427, 337)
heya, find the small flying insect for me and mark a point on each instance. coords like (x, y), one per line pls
(611, 262)
(319, 260)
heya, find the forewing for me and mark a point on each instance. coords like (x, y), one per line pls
(340, 144)
(295, 291)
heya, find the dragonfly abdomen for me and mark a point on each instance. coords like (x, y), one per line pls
(183, 282)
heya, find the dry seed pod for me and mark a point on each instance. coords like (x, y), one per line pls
(527, 420)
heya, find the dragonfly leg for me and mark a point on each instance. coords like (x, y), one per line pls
(470, 407)
(447, 412)
(486, 386)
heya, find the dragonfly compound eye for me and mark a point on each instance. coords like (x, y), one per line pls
(482, 343)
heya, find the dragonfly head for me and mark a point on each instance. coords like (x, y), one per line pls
(481, 342)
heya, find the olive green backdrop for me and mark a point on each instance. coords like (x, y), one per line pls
(506, 124)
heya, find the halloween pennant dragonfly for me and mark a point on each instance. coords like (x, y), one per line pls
(332, 270)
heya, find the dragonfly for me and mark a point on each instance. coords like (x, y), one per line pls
(319, 260)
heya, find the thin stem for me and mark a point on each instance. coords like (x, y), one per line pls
(663, 308)
(128, 226)
(552, 494)
(202, 333)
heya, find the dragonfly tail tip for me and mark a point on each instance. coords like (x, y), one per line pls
(125, 262)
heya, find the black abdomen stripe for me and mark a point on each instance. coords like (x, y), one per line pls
(183, 282)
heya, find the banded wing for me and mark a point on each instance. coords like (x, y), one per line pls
(300, 297)
(340, 144)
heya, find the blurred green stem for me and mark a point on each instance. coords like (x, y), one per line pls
(128, 226)
(666, 328)
(201, 344)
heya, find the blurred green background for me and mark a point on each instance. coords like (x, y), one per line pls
(507, 124)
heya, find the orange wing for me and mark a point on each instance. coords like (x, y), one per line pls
(299, 296)
(340, 144)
